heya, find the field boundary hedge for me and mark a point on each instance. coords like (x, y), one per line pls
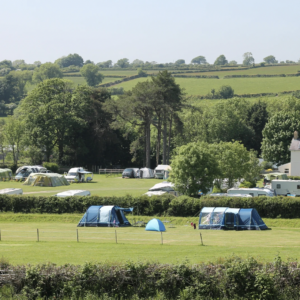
(197, 76)
(261, 75)
(235, 278)
(166, 205)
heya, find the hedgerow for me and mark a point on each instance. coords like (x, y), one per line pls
(166, 205)
(235, 278)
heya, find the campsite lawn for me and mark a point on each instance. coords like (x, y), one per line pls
(100, 186)
(58, 241)
(200, 86)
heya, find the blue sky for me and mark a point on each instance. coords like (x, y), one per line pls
(161, 31)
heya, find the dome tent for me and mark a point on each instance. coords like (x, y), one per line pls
(230, 218)
(46, 179)
(155, 225)
(104, 216)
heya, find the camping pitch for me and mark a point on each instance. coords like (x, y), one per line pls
(230, 218)
(46, 179)
(104, 216)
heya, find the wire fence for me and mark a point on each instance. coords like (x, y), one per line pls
(111, 235)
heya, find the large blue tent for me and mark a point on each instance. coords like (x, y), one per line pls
(155, 225)
(104, 215)
(230, 218)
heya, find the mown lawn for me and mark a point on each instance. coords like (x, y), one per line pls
(199, 86)
(180, 242)
(101, 186)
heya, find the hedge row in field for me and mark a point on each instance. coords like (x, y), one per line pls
(127, 78)
(261, 75)
(197, 76)
(234, 279)
(166, 205)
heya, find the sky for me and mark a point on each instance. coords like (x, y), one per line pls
(156, 30)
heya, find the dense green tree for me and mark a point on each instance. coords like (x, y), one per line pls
(137, 63)
(13, 136)
(199, 60)
(18, 62)
(105, 64)
(270, 59)
(47, 71)
(123, 63)
(225, 92)
(70, 60)
(91, 74)
(37, 63)
(193, 168)
(277, 136)
(248, 59)
(6, 64)
(50, 112)
(180, 62)
(221, 60)
(87, 62)
(233, 62)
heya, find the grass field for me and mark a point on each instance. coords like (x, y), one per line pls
(195, 86)
(58, 244)
(101, 186)
(293, 69)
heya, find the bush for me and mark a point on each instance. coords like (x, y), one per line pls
(51, 166)
(247, 184)
(235, 278)
(226, 92)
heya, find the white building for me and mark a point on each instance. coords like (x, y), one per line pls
(293, 168)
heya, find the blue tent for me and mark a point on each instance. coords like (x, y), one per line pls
(155, 225)
(101, 215)
(230, 218)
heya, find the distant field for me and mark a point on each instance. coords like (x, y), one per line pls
(263, 70)
(100, 186)
(195, 86)
(181, 242)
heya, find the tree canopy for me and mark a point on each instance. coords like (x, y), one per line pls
(91, 74)
(70, 60)
(248, 59)
(180, 62)
(221, 60)
(270, 59)
(199, 60)
(47, 71)
(123, 63)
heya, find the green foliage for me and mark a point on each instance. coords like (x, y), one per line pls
(270, 59)
(199, 60)
(267, 165)
(277, 136)
(142, 73)
(91, 74)
(247, 184)
(123, 63)
(221, 60)
(233, 278)
(47, 71)
(248, 59)
(226, 92)
(51, 166)
(70, 60)
(193, 168)
(180, 62)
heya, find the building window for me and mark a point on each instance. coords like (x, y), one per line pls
(278, 186)
(286, 171)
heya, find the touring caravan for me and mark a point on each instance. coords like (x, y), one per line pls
(162, 171)
(229, 195)
(286, 187)
(72, 193)
(23, 172)
(254, 192)
(162, 188)
(130, 173)
(79, 174)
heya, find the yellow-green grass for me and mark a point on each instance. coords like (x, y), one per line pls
(199, 86)
(100, 186)
(293, 69)
(58, 242)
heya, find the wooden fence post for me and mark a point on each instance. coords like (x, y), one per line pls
(201, 238)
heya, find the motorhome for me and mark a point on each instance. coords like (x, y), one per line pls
(79, 175)
(11, 191)
(131, 173)
(286, 187)
(229, 195)
(254, 192)
(162, 188)
(23, 172)
(72, 193)
(162, 171)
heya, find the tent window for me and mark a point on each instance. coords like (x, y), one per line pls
(205, 218)
(120, 217)
(278, 186)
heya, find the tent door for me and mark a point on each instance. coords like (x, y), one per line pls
(229, 220)
(120, 217)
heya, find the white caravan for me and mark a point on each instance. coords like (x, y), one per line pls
(79, 174)
(159, 171)
(286, 187)
(11, 191)
(23, 172)
(162, 188)
(254, 192)
(72, 193)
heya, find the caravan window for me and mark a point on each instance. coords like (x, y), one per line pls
(278, 186)
(298, 187)
(251, 194)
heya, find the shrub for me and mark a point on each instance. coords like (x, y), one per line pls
(247, 184)
(226, 92)
(51, 166)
